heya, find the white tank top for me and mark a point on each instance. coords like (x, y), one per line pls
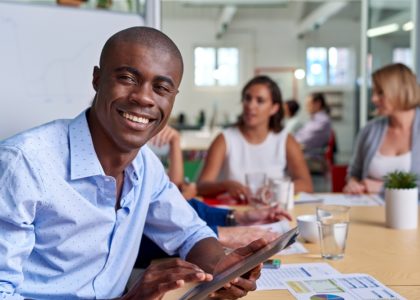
(382, 164)
(243, 157)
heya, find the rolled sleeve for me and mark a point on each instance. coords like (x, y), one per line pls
(172, 223)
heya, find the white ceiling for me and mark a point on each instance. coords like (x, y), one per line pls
(256, 9)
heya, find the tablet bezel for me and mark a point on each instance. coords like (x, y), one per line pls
(202, 290)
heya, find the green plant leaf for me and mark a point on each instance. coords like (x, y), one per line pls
(400, 180)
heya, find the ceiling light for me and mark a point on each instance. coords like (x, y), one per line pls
(381, 30)
(299, 74)
(408, 26)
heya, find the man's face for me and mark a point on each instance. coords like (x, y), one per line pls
(135, 91)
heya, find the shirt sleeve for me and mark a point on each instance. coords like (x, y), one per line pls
(213, 216)
(19, 186)
(359, 155)
(311, 130)
(171, 222)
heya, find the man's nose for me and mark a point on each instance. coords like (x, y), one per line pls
(143, 95)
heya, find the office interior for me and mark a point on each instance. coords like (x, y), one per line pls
(306, 46)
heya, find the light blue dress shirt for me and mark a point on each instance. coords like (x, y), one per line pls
(60, 235)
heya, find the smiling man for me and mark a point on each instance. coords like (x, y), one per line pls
(77, 195)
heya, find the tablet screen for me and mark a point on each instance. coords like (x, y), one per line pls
(202, 290)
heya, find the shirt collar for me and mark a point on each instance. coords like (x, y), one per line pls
(83, 159)
(133, 171)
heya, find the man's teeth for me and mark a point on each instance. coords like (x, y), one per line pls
(135, 118)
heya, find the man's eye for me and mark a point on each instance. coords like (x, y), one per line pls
(162, 89)
(127, 78)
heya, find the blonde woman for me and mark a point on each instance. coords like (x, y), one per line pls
(392, 141)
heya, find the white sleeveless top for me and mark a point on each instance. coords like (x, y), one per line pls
(243, 157)
(382, 164)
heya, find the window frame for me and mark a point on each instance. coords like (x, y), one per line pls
(217, 87)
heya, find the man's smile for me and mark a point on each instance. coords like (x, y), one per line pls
(135, 119)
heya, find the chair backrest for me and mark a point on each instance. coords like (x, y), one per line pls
(331, 148)
(338, 178)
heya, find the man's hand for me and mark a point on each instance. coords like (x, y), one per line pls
(261, 215)
(239, 287)
(164, 276)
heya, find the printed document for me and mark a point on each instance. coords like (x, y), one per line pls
(274, 279)
(341, 287)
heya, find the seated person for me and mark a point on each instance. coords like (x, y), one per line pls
(292, 122)
(77, 195)
(220, 220)
(391, 141)
(315, 133)
(257, 143)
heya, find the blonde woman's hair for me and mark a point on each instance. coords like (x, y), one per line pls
(399, 85)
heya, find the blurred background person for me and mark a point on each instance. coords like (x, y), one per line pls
(315, 133)
(292, 122)
(257, 143)
(391, 141)
(231, 226)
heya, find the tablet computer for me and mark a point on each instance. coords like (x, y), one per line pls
(202, 290)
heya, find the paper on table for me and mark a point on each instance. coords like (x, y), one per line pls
(274, 279)
(354, 200)
(340, 287)
(303, 198)
(342, 199)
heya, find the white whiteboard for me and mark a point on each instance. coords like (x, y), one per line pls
(47, 55)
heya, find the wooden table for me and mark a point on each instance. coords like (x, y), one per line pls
(391, 256)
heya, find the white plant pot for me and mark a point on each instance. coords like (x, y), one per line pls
(401, 208)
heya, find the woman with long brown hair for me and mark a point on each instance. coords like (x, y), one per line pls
(257, 143)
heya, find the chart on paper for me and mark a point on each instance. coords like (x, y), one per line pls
(274, 279)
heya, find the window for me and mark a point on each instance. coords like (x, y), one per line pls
(216, 66)
(402, 55)
(328, 66)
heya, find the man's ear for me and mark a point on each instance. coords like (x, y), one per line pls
(95, 78)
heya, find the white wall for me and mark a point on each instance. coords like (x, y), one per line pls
(47, 57)
(263, 43)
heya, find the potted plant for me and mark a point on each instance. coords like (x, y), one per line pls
(401, 196)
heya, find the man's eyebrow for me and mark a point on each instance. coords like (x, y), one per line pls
(137, 73)
(166, 79)
(128, 69)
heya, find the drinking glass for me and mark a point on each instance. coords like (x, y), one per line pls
(259, 188)
(281, 192)
(333, 224)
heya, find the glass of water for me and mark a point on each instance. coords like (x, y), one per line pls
(259, 188)
(333, 224)
(281, 192)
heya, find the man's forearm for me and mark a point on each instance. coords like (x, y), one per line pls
(206, 254)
